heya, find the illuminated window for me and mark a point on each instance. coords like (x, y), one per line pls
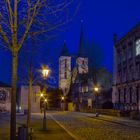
(65, 63)
(137, 47)
(65, 75)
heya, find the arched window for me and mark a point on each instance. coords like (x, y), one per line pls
(137, 94)
(124, 95)
(119, 96)
(138, 47)
(130, 94)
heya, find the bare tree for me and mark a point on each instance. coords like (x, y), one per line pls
(20, 18)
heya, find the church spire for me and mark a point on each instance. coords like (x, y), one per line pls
(81, 43)
(64, 51)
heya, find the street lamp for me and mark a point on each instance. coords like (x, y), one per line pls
(62, 102)
(41, 95)
(45, 72)
(44, 119)
(62, 98)
(96, 91)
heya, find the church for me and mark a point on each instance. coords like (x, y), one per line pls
(77, 80)
(74, 74)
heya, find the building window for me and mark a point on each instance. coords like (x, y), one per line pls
(118, 56)
(119, 98)
(138, 47)
(65, 90)
(65, 63)
(130, 52)
(124, 54)
(130, 95)
(65, 75)
(124, 73)
(138, 69)
(3, 95)
(86, 88)
(124, 95)
(137, 94)
(83, 62)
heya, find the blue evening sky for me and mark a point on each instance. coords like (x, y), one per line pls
(102, 18)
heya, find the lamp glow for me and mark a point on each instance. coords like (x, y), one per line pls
(45, 72)
(96, 89)
(45, 100)
(41, 95)
(62, 98)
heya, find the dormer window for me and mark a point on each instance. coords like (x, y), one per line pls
(138, 47)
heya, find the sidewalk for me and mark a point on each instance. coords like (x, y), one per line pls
(114, 119)
(53, 132)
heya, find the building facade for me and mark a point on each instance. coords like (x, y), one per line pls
(70, 66)
(76, 80)
(35, 102)
(126, 73)
(5, 97)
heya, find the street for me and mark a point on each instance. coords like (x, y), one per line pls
(87, 127)
(75, 125)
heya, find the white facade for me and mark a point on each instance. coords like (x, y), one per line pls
(64, 73)
(35, 102)
(82, 64)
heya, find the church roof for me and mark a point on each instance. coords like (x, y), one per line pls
(81, 52)
(64, 51)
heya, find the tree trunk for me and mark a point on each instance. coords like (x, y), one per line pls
(13, 97)
(29, 99)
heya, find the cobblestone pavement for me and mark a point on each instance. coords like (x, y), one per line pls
(87, 127)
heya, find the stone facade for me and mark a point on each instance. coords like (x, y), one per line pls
(126, 74)
(76, 79)
(64, 73)
(5, 97)
(70, 66)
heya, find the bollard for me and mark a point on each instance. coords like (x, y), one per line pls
(22, 133)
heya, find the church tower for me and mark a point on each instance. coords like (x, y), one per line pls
(82, 60)
(64, 69)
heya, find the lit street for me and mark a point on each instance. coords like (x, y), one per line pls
(87, 127)
(74, 125)
(69, 70)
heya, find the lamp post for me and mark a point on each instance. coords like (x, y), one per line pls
(44, 118)
(62, 101)
(45, 73)
(96, 90)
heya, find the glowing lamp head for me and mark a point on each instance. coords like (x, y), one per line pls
(45, 72)
(62, 98)
(41, 95)
(96, 89)
(45, 100)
